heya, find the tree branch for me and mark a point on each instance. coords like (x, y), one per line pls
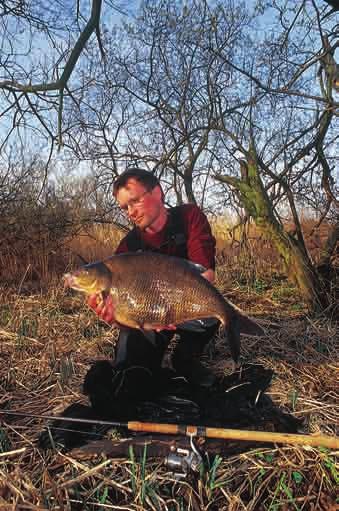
(91, 26)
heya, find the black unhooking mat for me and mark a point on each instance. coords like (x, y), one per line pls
(134, 393)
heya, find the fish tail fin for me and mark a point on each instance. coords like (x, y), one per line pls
(244, 323)
(249, 326)
(233, 338)
(231, 331)
(235, 323)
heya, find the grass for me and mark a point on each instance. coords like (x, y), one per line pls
(49, 339)
(143, 482)
(212, 479)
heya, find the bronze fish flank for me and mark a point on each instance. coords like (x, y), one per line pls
(151, 290)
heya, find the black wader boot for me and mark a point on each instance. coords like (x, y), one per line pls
(186, 356)
(134, 349)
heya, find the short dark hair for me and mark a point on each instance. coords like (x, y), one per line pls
(143, 176)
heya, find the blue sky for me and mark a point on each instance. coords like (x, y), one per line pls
(41, 50)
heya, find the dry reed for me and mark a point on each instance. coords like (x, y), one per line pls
(48, 340)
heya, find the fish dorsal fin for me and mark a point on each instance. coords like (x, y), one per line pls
(195, 266)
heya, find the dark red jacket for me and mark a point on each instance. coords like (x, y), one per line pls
(199, 239)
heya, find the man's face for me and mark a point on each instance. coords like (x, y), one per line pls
(141, 205)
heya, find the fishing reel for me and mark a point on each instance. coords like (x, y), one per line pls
(182, 461)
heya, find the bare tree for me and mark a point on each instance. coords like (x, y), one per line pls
(39, 87)
(294, 159)
(206, 97)
(207, 93)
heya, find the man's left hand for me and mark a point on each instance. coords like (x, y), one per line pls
(209, 275)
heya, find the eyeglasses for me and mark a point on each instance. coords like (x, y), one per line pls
(135, 203)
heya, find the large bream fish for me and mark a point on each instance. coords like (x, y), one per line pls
(150, 290)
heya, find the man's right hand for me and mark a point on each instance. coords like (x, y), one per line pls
(103, 308)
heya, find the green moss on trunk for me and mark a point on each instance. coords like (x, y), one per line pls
(297, 261)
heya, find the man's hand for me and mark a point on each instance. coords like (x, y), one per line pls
(103, 308)
(209, 275)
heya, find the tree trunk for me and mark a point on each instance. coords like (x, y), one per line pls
(330, 246)
(298, 264)
(189, 189)
(292, 250)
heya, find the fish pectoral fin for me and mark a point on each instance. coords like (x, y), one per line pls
(130, 323)
(250, 326)
(123, 318)
(195, 266)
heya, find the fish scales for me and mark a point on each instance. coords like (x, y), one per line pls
(162, 290)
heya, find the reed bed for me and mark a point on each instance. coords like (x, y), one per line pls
(48, 339)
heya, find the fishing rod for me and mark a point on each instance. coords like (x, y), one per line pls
(331, 442)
